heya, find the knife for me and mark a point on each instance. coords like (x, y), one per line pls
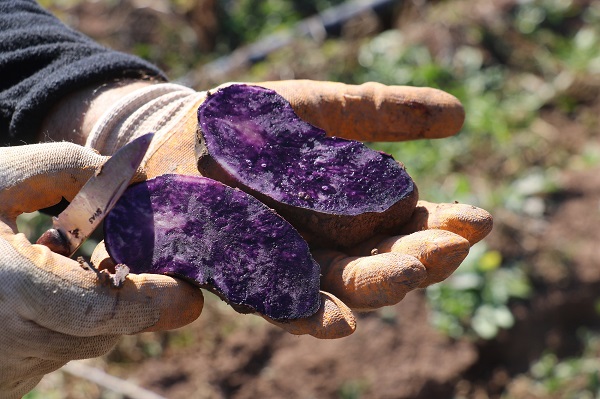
(95, 199)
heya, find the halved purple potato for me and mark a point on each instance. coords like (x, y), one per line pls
(334, 191)
(218, 237)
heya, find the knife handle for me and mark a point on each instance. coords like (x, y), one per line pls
(57, 243)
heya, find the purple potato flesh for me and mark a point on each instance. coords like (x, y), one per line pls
(218, 237)
(337, 191)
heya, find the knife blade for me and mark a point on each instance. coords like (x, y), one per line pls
(95, 199)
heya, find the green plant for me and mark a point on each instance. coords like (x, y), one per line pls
(576, 377)
(244, 21)
(475, 300)
(352, 389)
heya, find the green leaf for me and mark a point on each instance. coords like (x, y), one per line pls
(491, 260)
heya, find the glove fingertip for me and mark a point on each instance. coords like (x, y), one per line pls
(179, 303)
(371, 282)
(468, 221)
(440, 251)
(333, 320)
(100, 258)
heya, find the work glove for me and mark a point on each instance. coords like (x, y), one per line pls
(55, 309)
(376, 273)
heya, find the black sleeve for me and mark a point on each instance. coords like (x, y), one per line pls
(42, 60)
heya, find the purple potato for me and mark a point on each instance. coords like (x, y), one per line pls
(334, 191)
(218, 237)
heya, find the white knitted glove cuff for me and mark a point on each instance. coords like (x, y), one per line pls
(152, 109)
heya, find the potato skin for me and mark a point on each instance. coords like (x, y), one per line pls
(322, 230)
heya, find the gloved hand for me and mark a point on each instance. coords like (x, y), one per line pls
(376, 274)
(54, 309)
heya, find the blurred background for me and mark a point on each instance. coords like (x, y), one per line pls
(520, 317)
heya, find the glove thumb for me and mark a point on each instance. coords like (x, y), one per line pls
(37, 176)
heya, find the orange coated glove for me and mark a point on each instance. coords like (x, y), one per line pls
(55, 309)
(380, 272)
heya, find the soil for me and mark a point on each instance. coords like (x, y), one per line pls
(396, 356)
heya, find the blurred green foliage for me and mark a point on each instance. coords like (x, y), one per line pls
(353, 389)
(568, 378)
(33, 224)
(244, 21)
(475, 302)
